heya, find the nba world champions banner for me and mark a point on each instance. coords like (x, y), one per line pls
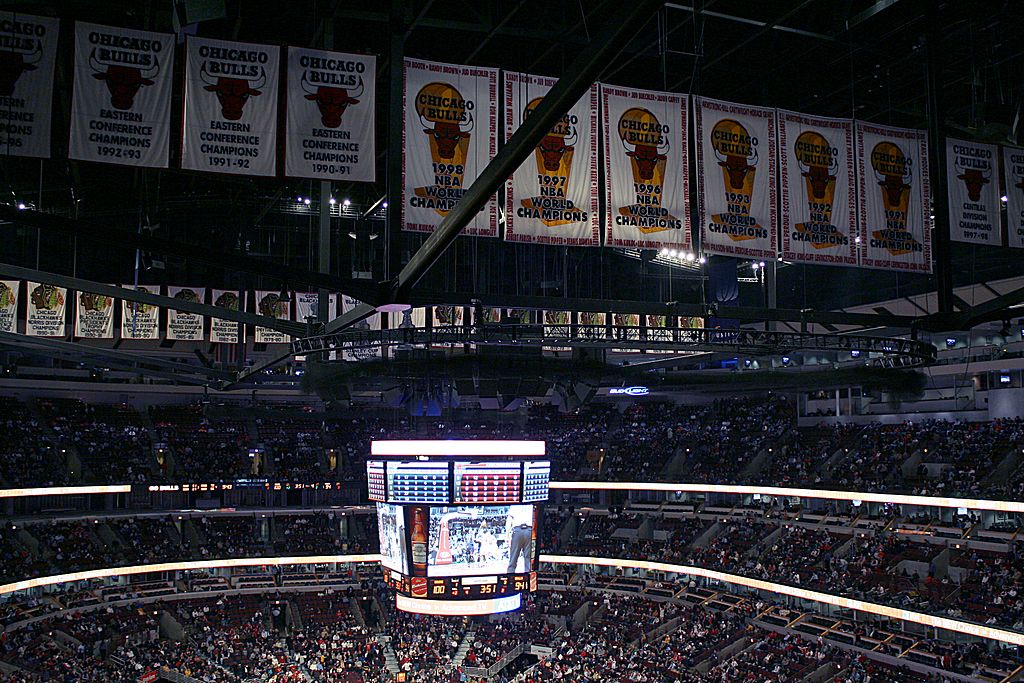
(550, 198)
(736, 192)
(646, 168)
(28, 52)
(330, 127)
(1013, 170)
(230, 107)
(892, 198)
(121, 110)
(451, 133)
(183, 326)
(972, 174)
(819, 195)
(9, 305)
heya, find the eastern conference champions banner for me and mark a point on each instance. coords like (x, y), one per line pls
(893, 198)
(1013, 168)
(230, 107)
(646, 168)
(28, 52)
(451, 133)
(551, 198)
(736, 193)
(330, 124)
(819, 198)
(121, 111)
(972, 174)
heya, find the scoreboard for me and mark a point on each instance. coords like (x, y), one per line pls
(471, 482)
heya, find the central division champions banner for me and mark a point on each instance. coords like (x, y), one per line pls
(972, 174)
(27, 58)
(121, 111)
(819, 198)
(736, 193)
(1013, 169)
(893, 198)
(330, 129)
(9, 305)
(451, 133)
(230, 107)
(551, 197)
(646, 168)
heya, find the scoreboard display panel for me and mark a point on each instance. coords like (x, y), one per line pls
(488, 482)
(417, 482)
(480, 540)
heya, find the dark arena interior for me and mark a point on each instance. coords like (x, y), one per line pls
(693, 353)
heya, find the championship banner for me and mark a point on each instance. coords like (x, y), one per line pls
(9, 305)
(307, 303)
(225, 331)
(557, 324)
(330, 128)
(972, 174)
(646, 168)
(1013, 170)
(451, 134)
(893, 198)
(446, 316)
(371, 323)
(551, 198)
(121, 109)
(621, 321)
(138, 320)
(44, 316)
(230, 107)
(93, 315)
(29, 52)
(736, 192)
(185, 326)
(819, 197)
(271, 305)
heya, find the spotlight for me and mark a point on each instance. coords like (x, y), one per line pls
(857, 239)
(754, 265)
(673, 253)
(1004, 199)
(785, 360)
(21, 206)
(306, 201)
(761, 264)
(384, 204)
(346, 202)
(333, 201)
(950, 342)
(690, 256)
(663, 251)
(702, 260)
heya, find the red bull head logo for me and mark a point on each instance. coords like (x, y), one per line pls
(819, 162)
(332, 101)
(646, 143)
(123, 82)
(974, 179)
(14, 64)
(736, 152)
(233, 93)
(558, 144)
(893, 171)
(447, 120)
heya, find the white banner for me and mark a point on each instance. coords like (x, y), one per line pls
(371, 323)
(1013, 175)
(271, 305)
(225, 331)
(140, 321)
(306, 304)
(893, 198)
(552, 197)
(94, 316)
(451, 133)
(230, 107)
(330, 128)
(9, 290)
(29, 52)
(819, 197)
(646, 168)
(972, 174)
(185, 326)
(121, 110)
(736, 192)
(557, 324)
(44, 315)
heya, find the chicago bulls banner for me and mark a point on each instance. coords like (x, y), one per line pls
(185, 326)
(121, 111)
(231, 107)
(94, 316)
(646, 168)
(371, 323)
(893, 199)
(972, 174)
(44, 315)
(736, 190)
(819, 198)
(551, 198)
(272, 305)
(28, 52)
(225, 331)
(330, 129)
(140, 321)
(451, 133)
(9, 305)
(1013, 177)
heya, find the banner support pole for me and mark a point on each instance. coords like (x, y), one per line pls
(937, 163)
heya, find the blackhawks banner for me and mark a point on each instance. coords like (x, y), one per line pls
(306, 306)
(9, 305)
(225, 331)
(44, 316)
(140, 321)
(121, 111)
(371, 323)
(972, 174)
(185, 326)
(550, 198)
(94, 316)
(28, 52)
(230, 107)
(819, 198)
(451, 133)
(646, 169)
(736, 192)
(893, 198)
(1013, 168)
(330, 127)
(271, 305)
